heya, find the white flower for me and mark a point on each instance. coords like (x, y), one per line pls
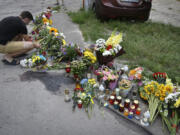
(112, 51)
(30, 63)
(62, 35)
(23, 63)
(125, 68)
(106, 53)
(118, 47)
(172, 96)
(115, 50)
(100, 43)
(101, 87)
(43, 16)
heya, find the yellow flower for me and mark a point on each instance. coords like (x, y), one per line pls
(162, 98)
(177, 104)
(92, 81)
(53, 30)
(64, 42)
(157, 94)
(169, 88)
(114, 39)
(50, 22)
(47, 21)
(90, 56)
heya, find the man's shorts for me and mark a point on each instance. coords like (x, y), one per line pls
(12, 47)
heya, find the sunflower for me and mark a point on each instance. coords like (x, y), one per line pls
(53, 30)
(169, 88)
(162, 98)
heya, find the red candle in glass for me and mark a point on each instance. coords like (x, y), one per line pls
(138, 111)
(127, 103)
(136, 103)
(111, 100)
(121, 107)
(79, 104)
(119, 99)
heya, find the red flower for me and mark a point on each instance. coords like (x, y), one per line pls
(44, 53)
(79, 89)
(109, 47)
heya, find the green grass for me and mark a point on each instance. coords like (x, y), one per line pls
(154, 46)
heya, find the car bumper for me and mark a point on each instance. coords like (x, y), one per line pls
(110, 11)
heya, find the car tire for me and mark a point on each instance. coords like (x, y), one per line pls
(98, 15)
(145, 18)
(93, 8)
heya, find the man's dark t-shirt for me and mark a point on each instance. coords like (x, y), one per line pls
(11, 27)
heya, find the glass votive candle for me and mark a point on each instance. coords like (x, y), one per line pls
(138, 111)
(136, 103)
(132, 109)
(80, 104)
(130, 116)
(88, 75)
(127, 103)
(119, 99)
(116, 105)
(67, 98)
(117, 90)
(121, 107)
(126, 112)
(111, 100)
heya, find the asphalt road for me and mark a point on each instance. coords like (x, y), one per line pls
(32, 103)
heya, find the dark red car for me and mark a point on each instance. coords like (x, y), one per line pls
(135, 9)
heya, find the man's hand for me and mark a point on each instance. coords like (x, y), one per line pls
(27, 38)
(36, 45)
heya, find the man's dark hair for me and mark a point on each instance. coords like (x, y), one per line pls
(26, 14)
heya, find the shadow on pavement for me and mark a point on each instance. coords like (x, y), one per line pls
(52, 81)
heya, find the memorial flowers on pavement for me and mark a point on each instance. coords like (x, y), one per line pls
(155, 94)
(85, 98)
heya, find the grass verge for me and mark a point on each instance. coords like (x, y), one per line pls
(154, 46)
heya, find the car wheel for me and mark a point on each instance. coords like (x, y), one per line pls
(93, 7)
(98, 15)
(144, 18)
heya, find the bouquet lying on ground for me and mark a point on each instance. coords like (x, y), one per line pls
(34, 61)
(171, 111)
(86, 96)
(70, 52)
(155, 93)
(79, 67)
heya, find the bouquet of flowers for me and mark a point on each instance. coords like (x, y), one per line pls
(79, 67)
(136, 75)
(155, 94)
(70, 52)
(170, 112)
(85, 98)
(106, 51)
(125, 86)
(109, 76)
(37, 61)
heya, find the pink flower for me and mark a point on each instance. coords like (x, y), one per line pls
(105, 78)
